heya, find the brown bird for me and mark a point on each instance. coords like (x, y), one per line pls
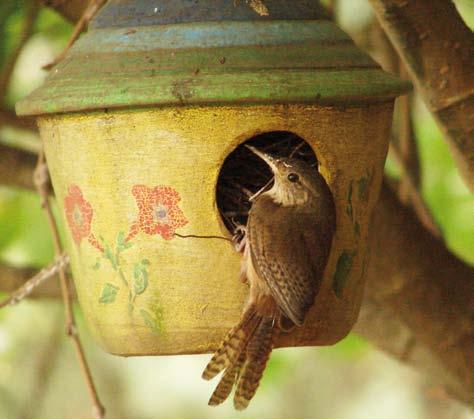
(287, 244)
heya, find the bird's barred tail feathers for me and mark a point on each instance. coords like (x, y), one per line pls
(257, 354)
(242, 356)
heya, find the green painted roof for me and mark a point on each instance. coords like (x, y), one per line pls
(198, 63)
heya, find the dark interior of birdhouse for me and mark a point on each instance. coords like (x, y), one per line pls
(243, 173)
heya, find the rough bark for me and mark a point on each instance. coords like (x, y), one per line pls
(437, 49)
(426, 296)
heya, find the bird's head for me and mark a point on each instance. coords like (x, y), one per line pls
(295, 181)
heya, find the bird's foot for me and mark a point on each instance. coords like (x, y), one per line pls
(239, 238)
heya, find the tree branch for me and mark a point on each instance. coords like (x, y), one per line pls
(16, 167)
(437, 49)
(90, 11)
(421, 293)
(26, 31)
(41, 179)
(403, 145)
(9, 118)
(32, 283)
(12, 279)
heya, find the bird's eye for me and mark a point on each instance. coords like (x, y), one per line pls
(293, 177)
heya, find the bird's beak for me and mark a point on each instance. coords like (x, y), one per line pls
(267, 158)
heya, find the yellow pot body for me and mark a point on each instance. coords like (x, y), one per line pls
(150, 292)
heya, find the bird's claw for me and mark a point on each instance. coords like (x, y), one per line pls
(238, 239)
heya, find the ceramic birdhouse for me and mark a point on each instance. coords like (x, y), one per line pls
(143, 124)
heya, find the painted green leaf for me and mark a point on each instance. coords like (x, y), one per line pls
(349, 210)
(121, 238)
(145, 262)
(109, 292)
(153, 319)
(343, 269)
(109, 255)
(121, 243)
(140, 282)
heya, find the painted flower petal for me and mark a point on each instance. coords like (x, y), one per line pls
(78, 213)
(152, 203)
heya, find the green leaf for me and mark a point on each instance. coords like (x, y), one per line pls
(145, 262)
(25, 238)
(109, 293)
(153, 318)
(10, 207)
(110, 256)
(121, 238)
(54, 26)
(140, 283)
(121, 243)
(148, 319)
(12, 14)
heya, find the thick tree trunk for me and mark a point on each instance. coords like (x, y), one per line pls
(438, 51)
(423, 295)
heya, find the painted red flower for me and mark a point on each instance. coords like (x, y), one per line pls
(78, 213)
(79, 217)
(158, 211)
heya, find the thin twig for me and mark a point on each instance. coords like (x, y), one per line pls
(302, 144)
(41, 178)
(27, 288)
(260, 191)
(83, 22)
(25, 34)
(186, 236)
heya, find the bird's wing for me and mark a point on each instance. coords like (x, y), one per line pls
(289, 252)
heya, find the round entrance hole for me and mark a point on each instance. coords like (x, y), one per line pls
(243, 173)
